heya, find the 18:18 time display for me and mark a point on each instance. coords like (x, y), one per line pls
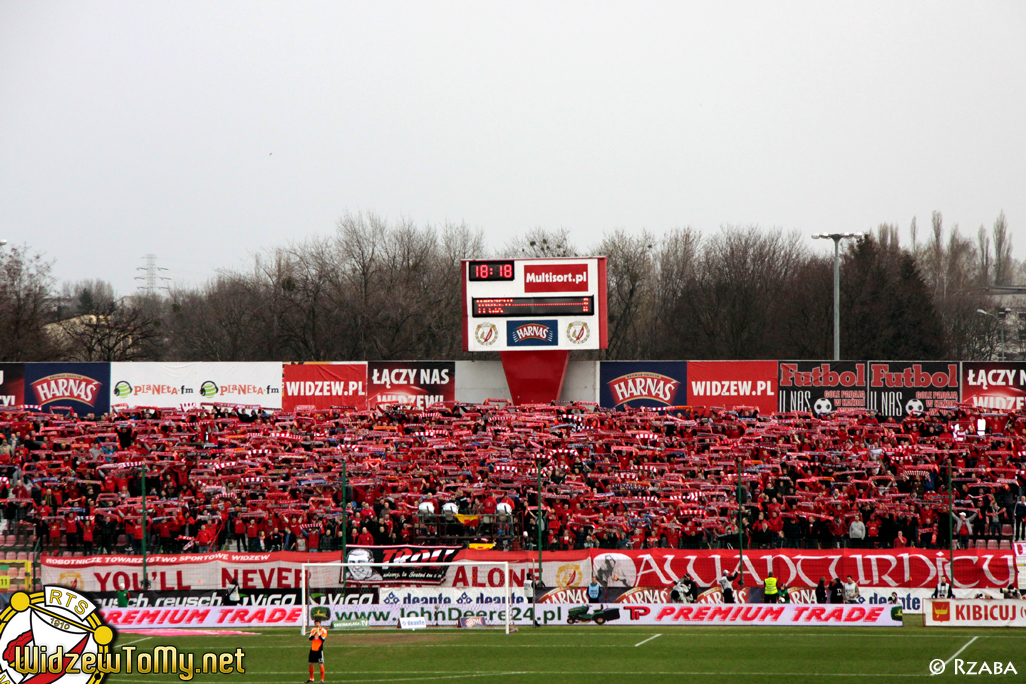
(491, 270)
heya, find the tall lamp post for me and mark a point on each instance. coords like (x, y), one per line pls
(837, 237)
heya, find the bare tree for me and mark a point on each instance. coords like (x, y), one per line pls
(27, 305)
(539, 242)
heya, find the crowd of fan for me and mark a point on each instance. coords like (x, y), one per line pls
(236, 478)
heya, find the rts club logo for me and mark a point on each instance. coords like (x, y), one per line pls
(486, 334)
(578, 332)
(53, 635)
(122, 389)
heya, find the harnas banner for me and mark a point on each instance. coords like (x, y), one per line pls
(642, 383)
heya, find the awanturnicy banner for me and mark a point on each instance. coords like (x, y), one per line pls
(733, 383)
(82, 387)
(642, 383)
(323, 385)
(897, 388)
(411, 383)
(820, 387)
(172, 385)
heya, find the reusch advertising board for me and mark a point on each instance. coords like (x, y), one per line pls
(897, 388)
(733, 383)
(821, 386)
(410, 383)
(642, 383)
(12, 384)
(170, 385)
(323, 385)
(994, 384)
(83, 387)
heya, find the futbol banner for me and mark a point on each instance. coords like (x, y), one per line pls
(411, 383)
(821, 386)
(897, 388)
(12, 384)
(323, 385)
(82, 387)
(994, 384)
(733, 383)
(973, 613)
(642, 383)
(172, 385)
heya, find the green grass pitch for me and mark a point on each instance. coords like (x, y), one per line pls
(593, 655)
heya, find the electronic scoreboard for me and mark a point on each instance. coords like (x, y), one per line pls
(534, 304)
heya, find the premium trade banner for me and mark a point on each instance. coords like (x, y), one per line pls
(388, 615)
(82, 387)
(411, 383)
(821, 386)
(642, 383)
(323, 385)
(733, 383)
(994, 384)
(897, 388)
(172, 385)
(12, 384)
(974, 613)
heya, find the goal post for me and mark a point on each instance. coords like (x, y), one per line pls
(330, 583)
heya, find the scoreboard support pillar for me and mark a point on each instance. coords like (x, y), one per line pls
(536, 376)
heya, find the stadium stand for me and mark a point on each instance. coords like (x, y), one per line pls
(224, 477)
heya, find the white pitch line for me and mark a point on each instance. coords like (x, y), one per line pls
(131, 642)
(647, 640)
(959, 652)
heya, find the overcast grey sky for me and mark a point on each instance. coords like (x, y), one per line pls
(205, 131)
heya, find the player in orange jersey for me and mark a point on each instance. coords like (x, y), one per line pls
(317, 636)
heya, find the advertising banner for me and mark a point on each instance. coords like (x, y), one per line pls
(323, 385)
(12, 384)
(733, 383)
(385, 615)
(897, 388)
(411, 383)
(994, 384)
(974, 613)
(642, 383)
(171, 385)
(83, 387)
(822, 386)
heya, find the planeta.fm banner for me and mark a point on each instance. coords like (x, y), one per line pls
(642, 383)
(82, 387)
(994, 384)
(417, 384)
(822, 386)
(897, 388)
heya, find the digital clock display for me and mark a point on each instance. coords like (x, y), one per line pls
(490, 270)
(510, 307)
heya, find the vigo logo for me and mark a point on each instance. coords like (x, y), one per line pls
(578, 332)
(486, 334)
(556, 278)
(57, 625)
(531, 333)
(644, 385)
(67, 386)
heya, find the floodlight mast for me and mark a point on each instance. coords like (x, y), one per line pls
(837, 237)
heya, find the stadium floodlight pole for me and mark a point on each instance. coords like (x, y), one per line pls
(538, 524)
(345, 519)
(837, 237)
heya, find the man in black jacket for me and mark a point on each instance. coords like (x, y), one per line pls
(1020, 519)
